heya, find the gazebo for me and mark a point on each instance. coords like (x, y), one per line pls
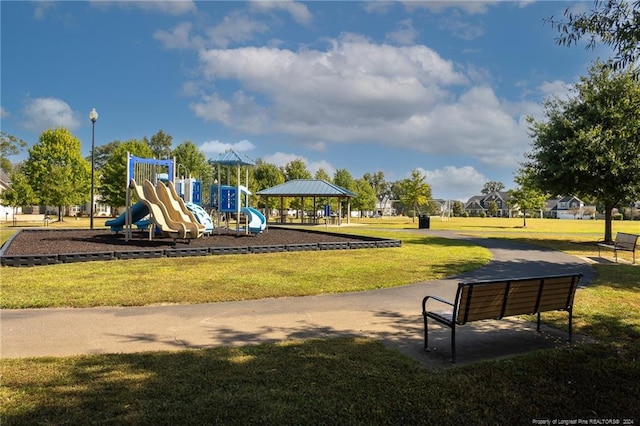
(309, 188)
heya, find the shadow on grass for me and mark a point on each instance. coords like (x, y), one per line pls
(331, 381)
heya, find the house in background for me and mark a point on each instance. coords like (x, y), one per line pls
(482, 205)
(568, 207)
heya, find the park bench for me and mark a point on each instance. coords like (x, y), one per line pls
(623, 242)
(497, 299)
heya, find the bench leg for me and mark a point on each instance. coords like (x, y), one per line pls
(453, 342)
(426, 335)
(570, 325)
(538, 327)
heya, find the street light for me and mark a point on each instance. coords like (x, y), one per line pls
(93, 116)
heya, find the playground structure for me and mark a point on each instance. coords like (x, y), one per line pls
(160, 202)
(228, 199)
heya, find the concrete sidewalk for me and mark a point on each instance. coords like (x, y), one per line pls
(393, 315)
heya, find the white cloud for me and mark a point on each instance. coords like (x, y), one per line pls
(179, 37)
(458, 183)
(556, 88)
(471, 7)
(358, 91)
(4, 113)
(298, 11)
(379, 7)
(41, 9)
(281, 159)
(405, 34)
(461, 28)
(45, 113)
(235, 28)
(218, 147)
(173, 7)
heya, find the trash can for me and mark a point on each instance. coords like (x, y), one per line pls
(424, 221)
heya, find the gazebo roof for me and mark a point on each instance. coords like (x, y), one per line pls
(232, 158)
(306, 188)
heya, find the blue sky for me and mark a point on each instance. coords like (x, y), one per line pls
(443, 87)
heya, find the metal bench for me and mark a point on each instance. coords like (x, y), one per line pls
(623, 242)
(493, 300)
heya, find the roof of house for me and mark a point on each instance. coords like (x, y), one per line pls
(306, 188)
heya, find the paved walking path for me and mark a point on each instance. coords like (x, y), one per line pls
(393, 315)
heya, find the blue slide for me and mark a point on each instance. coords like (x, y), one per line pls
(138, 211)
(201, 216)
(257, 221)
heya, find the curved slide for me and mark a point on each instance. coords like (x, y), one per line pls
(138, 212)
(159, 214)
(257, 221)
(187, 211)
(176, 211)
(201, 216)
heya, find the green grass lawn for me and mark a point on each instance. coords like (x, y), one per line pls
(335, 381)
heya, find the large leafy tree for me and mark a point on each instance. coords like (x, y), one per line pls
(321, 174)
(113, 176)
(56, 170)
(379, 185)
(160, 144)
(296, 169)
(9, 145)
(366, 196)
(492, 186)
(20, 193)
(266, 175)
(615, 23)
(102, 153)
(589, 144)
(192, 161)
(343, 178)
(416, 192)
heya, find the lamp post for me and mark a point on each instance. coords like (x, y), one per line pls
(93, 116)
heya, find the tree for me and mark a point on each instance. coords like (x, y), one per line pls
(56, 170)
(365, 198)
(192, 161)
(9, 145)
(379, 185)
(113, 176)
(102, 153)
(160, 144)
(343, 178)
(416, 192)
(614, 23)
(296, 169)
(526, 197)
(589, 145)
(492, 186)
(321, 174)
(457, 209)
(492, 208)
(266, 175)
(20, 193)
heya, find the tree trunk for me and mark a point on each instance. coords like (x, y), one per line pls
(524, 219)
(608, 218)
(59, 213)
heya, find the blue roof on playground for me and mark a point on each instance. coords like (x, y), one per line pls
(232, 158)
(306, 188)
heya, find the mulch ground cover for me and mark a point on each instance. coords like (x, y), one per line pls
(48, 242)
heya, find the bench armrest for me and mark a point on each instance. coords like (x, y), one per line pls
(436, 298)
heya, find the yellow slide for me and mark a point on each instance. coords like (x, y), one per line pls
(177, 213)
(183, 206)
(159, 214)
